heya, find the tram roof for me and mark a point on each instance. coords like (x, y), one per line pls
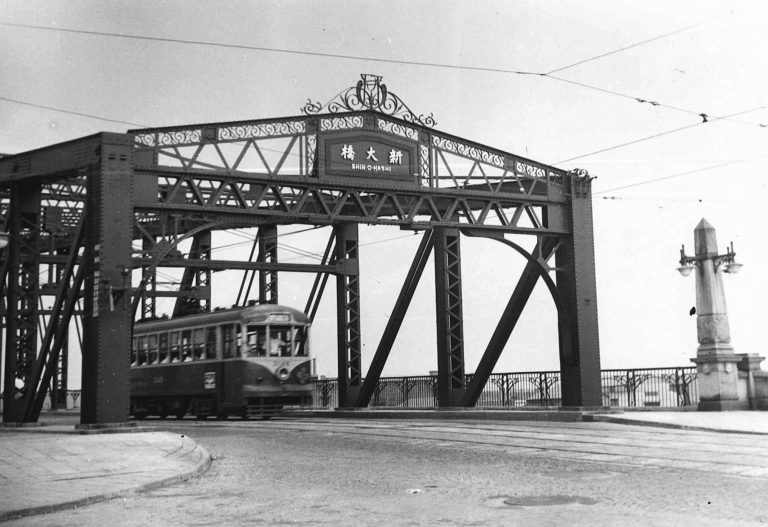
(256, 313)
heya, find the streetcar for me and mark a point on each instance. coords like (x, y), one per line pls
(247, 361)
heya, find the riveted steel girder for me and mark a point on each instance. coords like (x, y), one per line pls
(579, 343)
(22, 299)
(268, 280)
(348, 313)
(450, 318)
(108, 313)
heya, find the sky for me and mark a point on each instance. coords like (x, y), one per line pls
(663, 103)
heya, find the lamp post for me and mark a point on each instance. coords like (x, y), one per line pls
(715, 360)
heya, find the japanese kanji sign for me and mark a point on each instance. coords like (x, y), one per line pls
(370, 156)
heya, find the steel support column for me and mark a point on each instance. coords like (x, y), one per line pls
(268, 253)
(348, 313)
(450, 324)
(108, 313)
(396, 319)
(149, 277)
(579, 342)
(22, 298)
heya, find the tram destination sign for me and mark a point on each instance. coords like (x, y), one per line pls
(369, 156)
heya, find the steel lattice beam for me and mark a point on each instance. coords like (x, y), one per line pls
(348, 313)
(268, 254)
(22, 299)
(449, 316)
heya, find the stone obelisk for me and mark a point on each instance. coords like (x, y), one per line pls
(716, 363)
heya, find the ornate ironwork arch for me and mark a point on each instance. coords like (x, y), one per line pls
(369, 94)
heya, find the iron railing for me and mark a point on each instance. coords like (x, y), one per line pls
(664, 387)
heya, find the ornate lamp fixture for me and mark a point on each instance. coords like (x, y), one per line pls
(688, 263)
(369, 94)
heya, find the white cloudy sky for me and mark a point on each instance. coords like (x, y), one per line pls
(631, 116)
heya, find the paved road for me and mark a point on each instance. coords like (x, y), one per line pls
(374, 472)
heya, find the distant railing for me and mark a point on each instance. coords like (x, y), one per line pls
(663, 387)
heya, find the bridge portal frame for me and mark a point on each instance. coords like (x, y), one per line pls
(103, 206)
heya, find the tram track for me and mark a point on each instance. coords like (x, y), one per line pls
(623, 446)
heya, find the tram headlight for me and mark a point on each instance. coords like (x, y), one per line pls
(283, 373)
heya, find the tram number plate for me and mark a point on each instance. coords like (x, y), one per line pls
(210, 380)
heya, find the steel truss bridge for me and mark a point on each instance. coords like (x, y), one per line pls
(86, 217)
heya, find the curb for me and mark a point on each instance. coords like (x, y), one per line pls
(201, 466)
(658, 424)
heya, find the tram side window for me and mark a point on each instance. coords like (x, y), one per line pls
(255, 342)
(186, 345)
(280, 341)
(152, 353)
(300, 342)
(164, 358)
(228, 341)
(142, 359)
(175, 349)
(210, 342)
(134, 350)
(198, 339)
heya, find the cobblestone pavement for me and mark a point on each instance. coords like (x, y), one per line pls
(397, 472)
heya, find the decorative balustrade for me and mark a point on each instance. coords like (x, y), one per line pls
(664, 387)
(667, 387)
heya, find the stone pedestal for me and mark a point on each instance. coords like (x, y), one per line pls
(717, 381)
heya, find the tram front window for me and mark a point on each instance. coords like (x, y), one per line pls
(300, 341)
(255, 341)
(280, 341)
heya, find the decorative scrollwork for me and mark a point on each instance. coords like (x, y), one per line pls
(465, 150)
(524, 169)
(145, 139)
(341, 123)
(398, 129)
(369, 94)
(424, 165)
(179, 137)
(311, 152)
(248, 131)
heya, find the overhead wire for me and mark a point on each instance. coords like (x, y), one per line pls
(641, 43)
(705, 120)
(549, 74)
(417, 63)
(79, 114)
(680, 174)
